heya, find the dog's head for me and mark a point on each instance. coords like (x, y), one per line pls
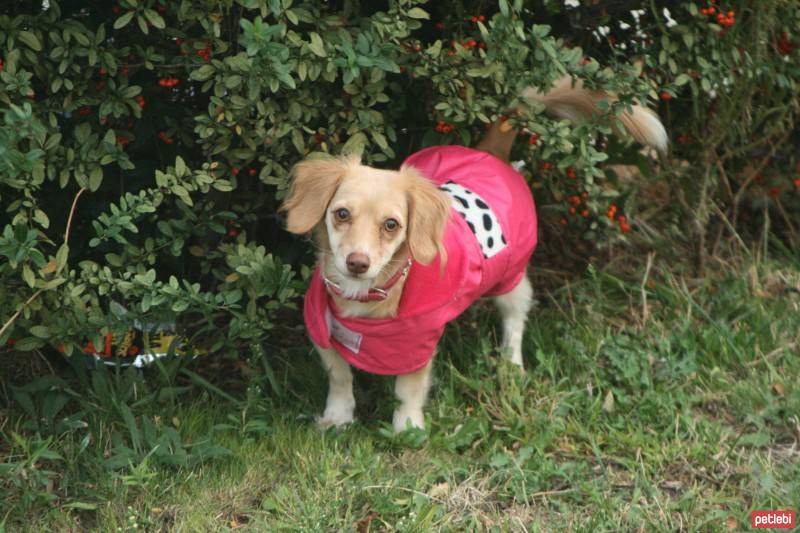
(367, 217)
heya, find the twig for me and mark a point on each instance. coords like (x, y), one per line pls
(40, 291)
(72, 212)
(21, 307)
(645, 310)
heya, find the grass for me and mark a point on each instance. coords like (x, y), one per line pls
(651, 402)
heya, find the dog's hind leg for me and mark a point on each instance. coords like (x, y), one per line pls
(514, 306)
(341, 402)
(412, 391)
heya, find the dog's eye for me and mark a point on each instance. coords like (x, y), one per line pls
(391, 224)
(342, 214)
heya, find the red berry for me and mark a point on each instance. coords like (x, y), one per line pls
(481, 18)
(563, 222)
(440, 25)
(232, 233)
(571, 210)
(797, 182)
(252, 172)
(11, 342)
(473, 19)
(2, 65)
(665, 96)
(533, 140)
(585, 213)
(482, 46)
(775, 192)
(571, 173)
(235, 171)
(624, 228)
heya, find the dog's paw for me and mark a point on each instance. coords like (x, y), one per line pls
(405, 418)
(335, 418)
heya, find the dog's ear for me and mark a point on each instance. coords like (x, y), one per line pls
(428, 213)
(314, 182)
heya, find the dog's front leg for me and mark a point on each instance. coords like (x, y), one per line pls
(412, 391)
(341, 402)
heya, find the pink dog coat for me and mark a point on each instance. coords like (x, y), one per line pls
(489, 240)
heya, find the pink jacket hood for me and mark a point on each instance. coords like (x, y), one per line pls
(489, 240)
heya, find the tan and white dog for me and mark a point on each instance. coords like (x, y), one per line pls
(370, 225)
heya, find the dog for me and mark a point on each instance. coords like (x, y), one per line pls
(402, 252)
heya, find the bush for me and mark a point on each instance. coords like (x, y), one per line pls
(147, 144)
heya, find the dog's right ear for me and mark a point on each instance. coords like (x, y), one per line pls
(313, 184)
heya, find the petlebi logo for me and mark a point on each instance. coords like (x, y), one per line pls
(772, 519)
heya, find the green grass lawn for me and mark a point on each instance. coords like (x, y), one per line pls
(651, 402)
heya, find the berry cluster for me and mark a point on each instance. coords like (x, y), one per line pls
(611, 213)
(533, 140)
(168, 82)
(204, 53)
(166, 139)
(444, 127)
(724, 19)
(575, 202)
(232, 228)
(85, 110)
(140, 101)
(785, 46)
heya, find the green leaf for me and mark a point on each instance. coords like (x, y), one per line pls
(316, 45)
(61, 256)
(28, 276)
(29, 343)
(95, 178)
(40, 217)
(140, 20)
(30, 39)
(123, 20)
(180, 167)
(155, 19)
(418, 13)
(43, 332)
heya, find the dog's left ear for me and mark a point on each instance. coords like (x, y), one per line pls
(428, 213)
(314, 183)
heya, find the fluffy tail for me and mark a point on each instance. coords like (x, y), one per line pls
(575, 102)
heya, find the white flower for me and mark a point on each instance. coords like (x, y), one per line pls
(670, 21)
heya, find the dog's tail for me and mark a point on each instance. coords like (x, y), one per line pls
(574, 102)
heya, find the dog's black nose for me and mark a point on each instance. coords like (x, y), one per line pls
(357, 263)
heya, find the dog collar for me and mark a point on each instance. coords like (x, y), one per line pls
(374, 294)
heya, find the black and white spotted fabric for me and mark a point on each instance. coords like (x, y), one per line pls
(479, 217)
